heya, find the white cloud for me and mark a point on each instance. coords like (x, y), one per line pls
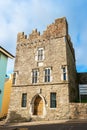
(26, 15)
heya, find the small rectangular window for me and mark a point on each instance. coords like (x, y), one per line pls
(47, 75)
(24, 100)
(34, 76)
(52, 100)
(40, 54)
(14, 78)
(64, 73)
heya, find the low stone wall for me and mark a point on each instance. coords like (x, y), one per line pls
(78, 111)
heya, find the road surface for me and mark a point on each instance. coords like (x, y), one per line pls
(61, 126)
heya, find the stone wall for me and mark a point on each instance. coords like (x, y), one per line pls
(58, 52)
(55, 30)
(54, 58)
(72, 74)
(78, 111)
(19, 114)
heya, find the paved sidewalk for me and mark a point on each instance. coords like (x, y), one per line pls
(2, 123)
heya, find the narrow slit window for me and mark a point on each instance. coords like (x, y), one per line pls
(64, 73)
(47, 76)
(52, 100)
(14, 78)
(34, 76)
(24, 100)
(40, 54)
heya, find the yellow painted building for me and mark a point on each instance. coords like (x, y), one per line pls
(6, 97)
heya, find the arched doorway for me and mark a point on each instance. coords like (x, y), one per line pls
(38, 106)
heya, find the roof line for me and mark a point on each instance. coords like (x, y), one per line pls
(5, 52)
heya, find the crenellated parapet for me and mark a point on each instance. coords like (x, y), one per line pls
(55, 30)
(35, 34)
(21, 37)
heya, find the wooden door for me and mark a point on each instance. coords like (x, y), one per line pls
(38, 106)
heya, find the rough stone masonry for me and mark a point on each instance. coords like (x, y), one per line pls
(45, 83)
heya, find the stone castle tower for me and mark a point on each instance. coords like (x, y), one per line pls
(45, 79)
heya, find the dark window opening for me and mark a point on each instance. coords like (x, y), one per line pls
(34, 76)
(47, 75)
(40, 54)
(64, 73)
(24, 99)
(52, 100)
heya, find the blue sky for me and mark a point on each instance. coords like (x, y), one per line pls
(26, 15)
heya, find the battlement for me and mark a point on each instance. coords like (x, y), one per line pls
(21, 36)
(57, 29)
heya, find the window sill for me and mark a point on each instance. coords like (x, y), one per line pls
(34, 83)
(23, 108)
(53, 108)
(64, 80)
(40, 60)
(47, 82)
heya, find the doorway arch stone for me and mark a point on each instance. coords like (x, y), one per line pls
(38, 106)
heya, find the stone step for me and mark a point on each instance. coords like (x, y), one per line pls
(37, 119)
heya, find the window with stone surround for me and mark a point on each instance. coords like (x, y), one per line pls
(47, 75)
(53, 100)
(40, 54)
(24, 100)
(64, 73)
(34, 75)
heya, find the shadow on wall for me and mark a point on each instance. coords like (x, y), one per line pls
(16, 118)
